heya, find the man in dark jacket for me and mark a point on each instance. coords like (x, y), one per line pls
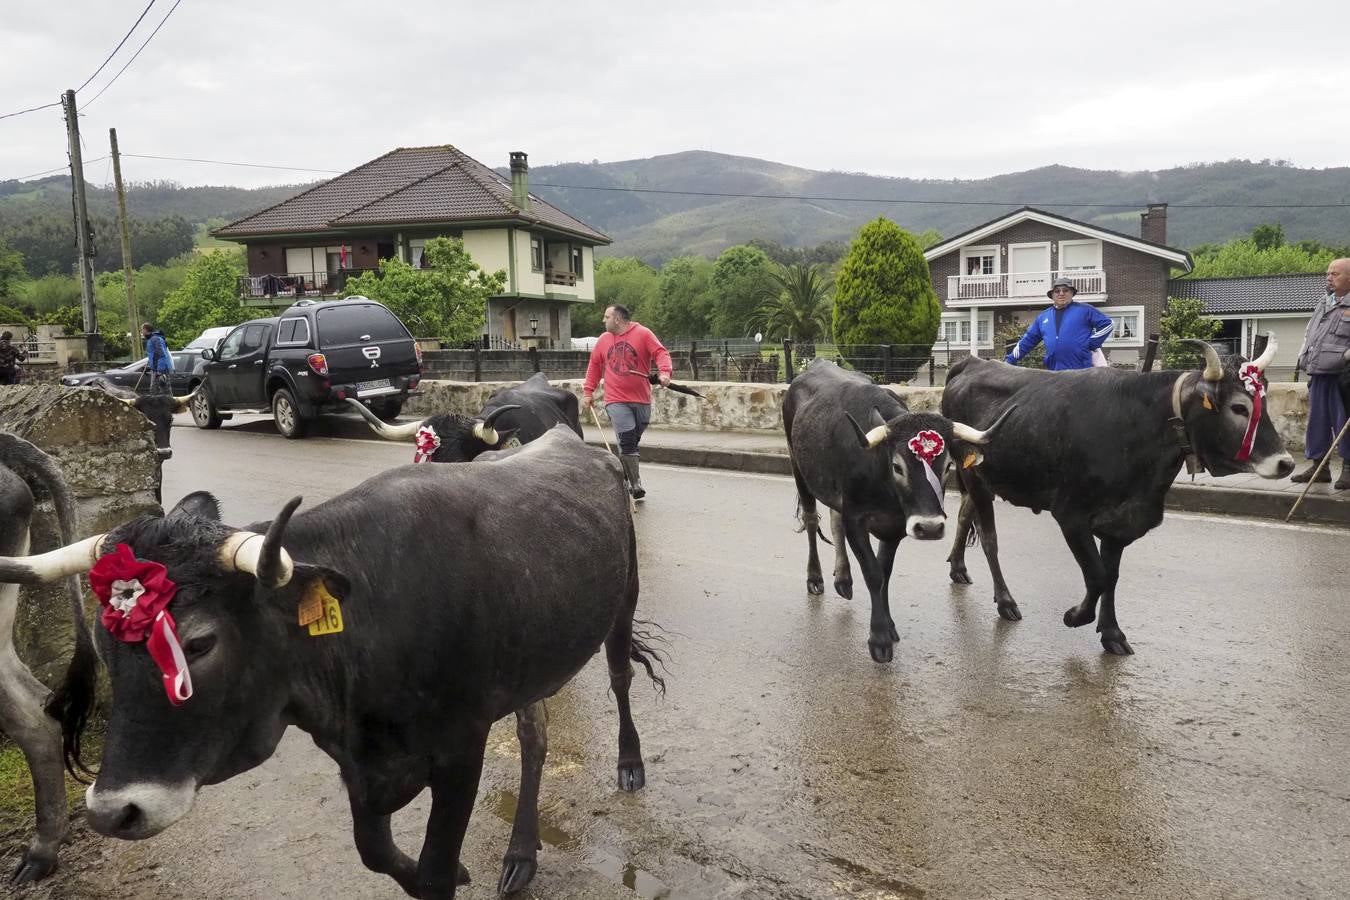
(1072, 332)
(158, 365)
(1322, 356)
(10, 357)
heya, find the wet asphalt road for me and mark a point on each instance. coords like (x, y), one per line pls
(990, 759)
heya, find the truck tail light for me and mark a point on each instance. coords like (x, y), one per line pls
(417, 349)
(318, 364)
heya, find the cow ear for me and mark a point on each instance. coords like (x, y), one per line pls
(966, 456)
(311, 588)
(504, 438)
(198, 504)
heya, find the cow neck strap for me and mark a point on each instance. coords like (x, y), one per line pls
(1179, 429)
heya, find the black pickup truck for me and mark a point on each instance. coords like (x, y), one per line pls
(306, 361)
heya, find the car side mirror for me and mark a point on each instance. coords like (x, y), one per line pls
(208, 353)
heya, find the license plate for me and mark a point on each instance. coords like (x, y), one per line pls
(363, 386)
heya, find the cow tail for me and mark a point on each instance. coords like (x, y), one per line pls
(973, 537)
(648, 648)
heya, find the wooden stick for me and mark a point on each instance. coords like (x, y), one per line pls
(632, 504)
(1325, 459)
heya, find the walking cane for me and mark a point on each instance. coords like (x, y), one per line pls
(1318, 471)
(628, 488)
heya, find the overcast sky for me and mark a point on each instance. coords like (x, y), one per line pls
(934, 90)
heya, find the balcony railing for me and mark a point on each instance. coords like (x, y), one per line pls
(971, 290)
(296, 284)
(559, 276)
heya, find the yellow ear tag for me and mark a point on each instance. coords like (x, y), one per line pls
(972, 459)
(1204, 398)
(329, 618)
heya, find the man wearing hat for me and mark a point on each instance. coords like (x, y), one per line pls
(1072, 332)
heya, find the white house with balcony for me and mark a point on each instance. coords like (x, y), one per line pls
(997, 274)
(310, 244)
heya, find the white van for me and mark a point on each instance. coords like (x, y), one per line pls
(209, 338)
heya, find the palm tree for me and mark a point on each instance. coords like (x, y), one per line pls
(796, 304)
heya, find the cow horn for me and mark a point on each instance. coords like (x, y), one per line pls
(1267, 355)
(261, 556)
(1213, 365)
(405, 432)
(964, 432)
(180, 404)
(484, 431)
(868, 439)
(71, 559)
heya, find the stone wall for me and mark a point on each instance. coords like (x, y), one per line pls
(106, 451)
(734, 406)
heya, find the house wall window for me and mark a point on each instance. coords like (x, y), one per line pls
(536, 253)
(576, 262)
(955, 329)
(1080, 255)
(1128, 331)
(979, 260)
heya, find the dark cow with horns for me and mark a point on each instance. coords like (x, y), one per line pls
(525, 411)
(1099, 449)
(27, 713)
(444, 623)
(886, 482)
(158, 408)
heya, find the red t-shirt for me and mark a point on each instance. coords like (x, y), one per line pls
(624, 361)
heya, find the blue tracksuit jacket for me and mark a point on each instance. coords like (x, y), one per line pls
(1083, 329)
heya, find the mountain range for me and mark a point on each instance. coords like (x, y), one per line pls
(700, 202)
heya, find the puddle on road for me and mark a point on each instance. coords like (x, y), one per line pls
(640, 881)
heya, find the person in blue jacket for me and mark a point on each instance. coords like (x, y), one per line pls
(1071, 331)
(157, 362)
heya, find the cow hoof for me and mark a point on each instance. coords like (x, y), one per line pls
(462, 874)
(632, 777)
(34, 866)
(517, 871)
(882, 651)
(961, 576)
(844, 588)
(1077, 616)
(1009, 611)
(1113, 642)
(815, 586)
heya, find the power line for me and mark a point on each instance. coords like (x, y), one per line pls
(732, 194)
(136, 54)
(32, 109)
(219, 162)
(64, 168)
(115, 49)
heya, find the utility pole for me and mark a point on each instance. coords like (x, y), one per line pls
(133, 321)
(82, 234)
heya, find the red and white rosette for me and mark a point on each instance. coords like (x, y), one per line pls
(427, 443)
(135, 594)
(928, 446)
(1250, 376)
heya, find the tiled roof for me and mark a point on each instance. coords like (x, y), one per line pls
(1255, 294)
(419, 184)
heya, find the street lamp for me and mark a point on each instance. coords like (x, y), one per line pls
(534, 325)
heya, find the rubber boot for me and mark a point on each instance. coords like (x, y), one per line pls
(630, 468)
(1307, 474)
(1342, 482)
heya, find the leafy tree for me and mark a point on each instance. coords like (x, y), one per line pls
(209, 296)
(625, 280)
(1011, 333)
(11, 316)
(1242, 258)
(50, 293)
(740, 277)
(447, 300)
(884, 295)
(1268, 237)
(683, 304)
(827, 253)
(797, 306)
(1184, 318)
(71, 318)
(12, 271)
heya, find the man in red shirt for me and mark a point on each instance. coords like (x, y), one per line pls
(623, 356)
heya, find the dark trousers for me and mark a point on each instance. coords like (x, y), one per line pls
(7, 376)
(1326, 415)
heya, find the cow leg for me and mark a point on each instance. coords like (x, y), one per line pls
(1084, 549)
(454, 785)
(39, 737)
(811, 524)
(618, 647)
(957, 558)
(982, 503)
(1113, 639)
(882, 637)
(375, 843)
(886, 559)
(522, 854)
(843, 575)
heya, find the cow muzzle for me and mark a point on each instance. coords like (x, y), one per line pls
(925, 528)
(139, 810)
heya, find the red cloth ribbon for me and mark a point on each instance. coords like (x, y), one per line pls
(134, 594)
(1252, 382)
(928, 446)
(428, 442)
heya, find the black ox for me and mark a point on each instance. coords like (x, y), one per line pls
(873, 482)
(450, 622)
(158, 408)
(28, 713)
(1099, 449)
(525, 411)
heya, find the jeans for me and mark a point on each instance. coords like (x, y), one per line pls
(630, 420)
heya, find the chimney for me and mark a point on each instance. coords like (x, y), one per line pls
(520, 180)
(1153, 223)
